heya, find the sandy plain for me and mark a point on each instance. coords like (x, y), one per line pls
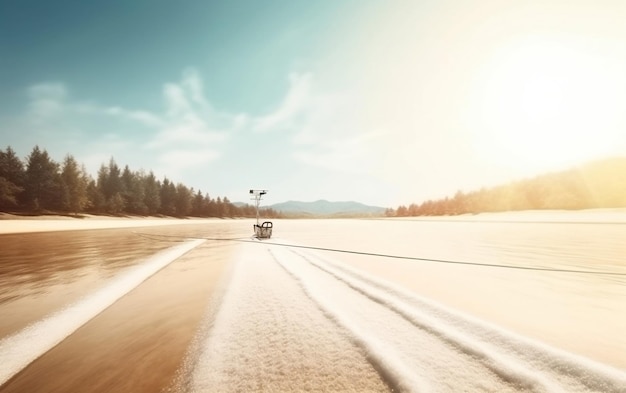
(28, 224)
(140, 343)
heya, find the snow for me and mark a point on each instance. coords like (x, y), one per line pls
(268, 336)
(292, 320)
(582, 313)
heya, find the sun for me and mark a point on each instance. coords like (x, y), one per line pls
(543, 102)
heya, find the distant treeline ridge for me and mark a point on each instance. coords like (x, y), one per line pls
(40, 185)
(599, 184)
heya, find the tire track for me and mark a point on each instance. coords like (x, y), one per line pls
(499, 361)
(268, 336)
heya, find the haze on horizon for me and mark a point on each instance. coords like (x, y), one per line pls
(382, 103)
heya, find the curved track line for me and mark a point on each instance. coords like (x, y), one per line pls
(517, 361)
(593, 375)
(391, 369)
(22, 348)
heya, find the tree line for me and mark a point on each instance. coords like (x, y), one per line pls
(599, 184)
(40, 185)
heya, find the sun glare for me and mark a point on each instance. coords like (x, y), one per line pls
(544, 102)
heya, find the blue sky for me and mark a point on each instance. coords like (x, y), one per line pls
(382, 102)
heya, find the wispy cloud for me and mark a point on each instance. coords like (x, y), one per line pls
(189, 119)
(186, 132)
(143, 117)
(326, 127)
(352, 154)
(315, 127)
(46, 99)
(182, 159)
(52, 99)
(294, 103)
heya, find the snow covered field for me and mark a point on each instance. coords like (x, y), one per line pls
(295, 319)
(582, 313)
(292, 320)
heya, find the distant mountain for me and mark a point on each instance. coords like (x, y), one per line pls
(327, 208)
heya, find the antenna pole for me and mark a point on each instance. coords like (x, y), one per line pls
(257, 195)
(261, 231)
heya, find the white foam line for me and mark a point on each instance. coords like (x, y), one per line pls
(390, 367)
(587, 372)
(503, 367)
(19, 350)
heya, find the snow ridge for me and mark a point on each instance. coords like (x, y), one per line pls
(518, 361)
(395, 373)
(293, 320)
(268, 336)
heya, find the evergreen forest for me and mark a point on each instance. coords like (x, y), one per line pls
(39, 185)
(598, 184)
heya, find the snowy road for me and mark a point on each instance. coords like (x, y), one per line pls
(294, 321)
(238, 317)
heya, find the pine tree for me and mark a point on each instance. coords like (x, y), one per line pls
(12, 176)
(97, 203)
(42, 184)
(198, 205)
(183, 200)
(227, 208)
(168, 198)
(134, 191)
(113, 184)
(74, 186)
(152, 194)
(219, 209)
(8, 194)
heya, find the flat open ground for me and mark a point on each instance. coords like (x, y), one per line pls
(25, 224)
(152, 305)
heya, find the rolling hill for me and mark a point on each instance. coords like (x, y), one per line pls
(327, 208)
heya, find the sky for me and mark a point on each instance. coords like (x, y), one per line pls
(381, 102)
